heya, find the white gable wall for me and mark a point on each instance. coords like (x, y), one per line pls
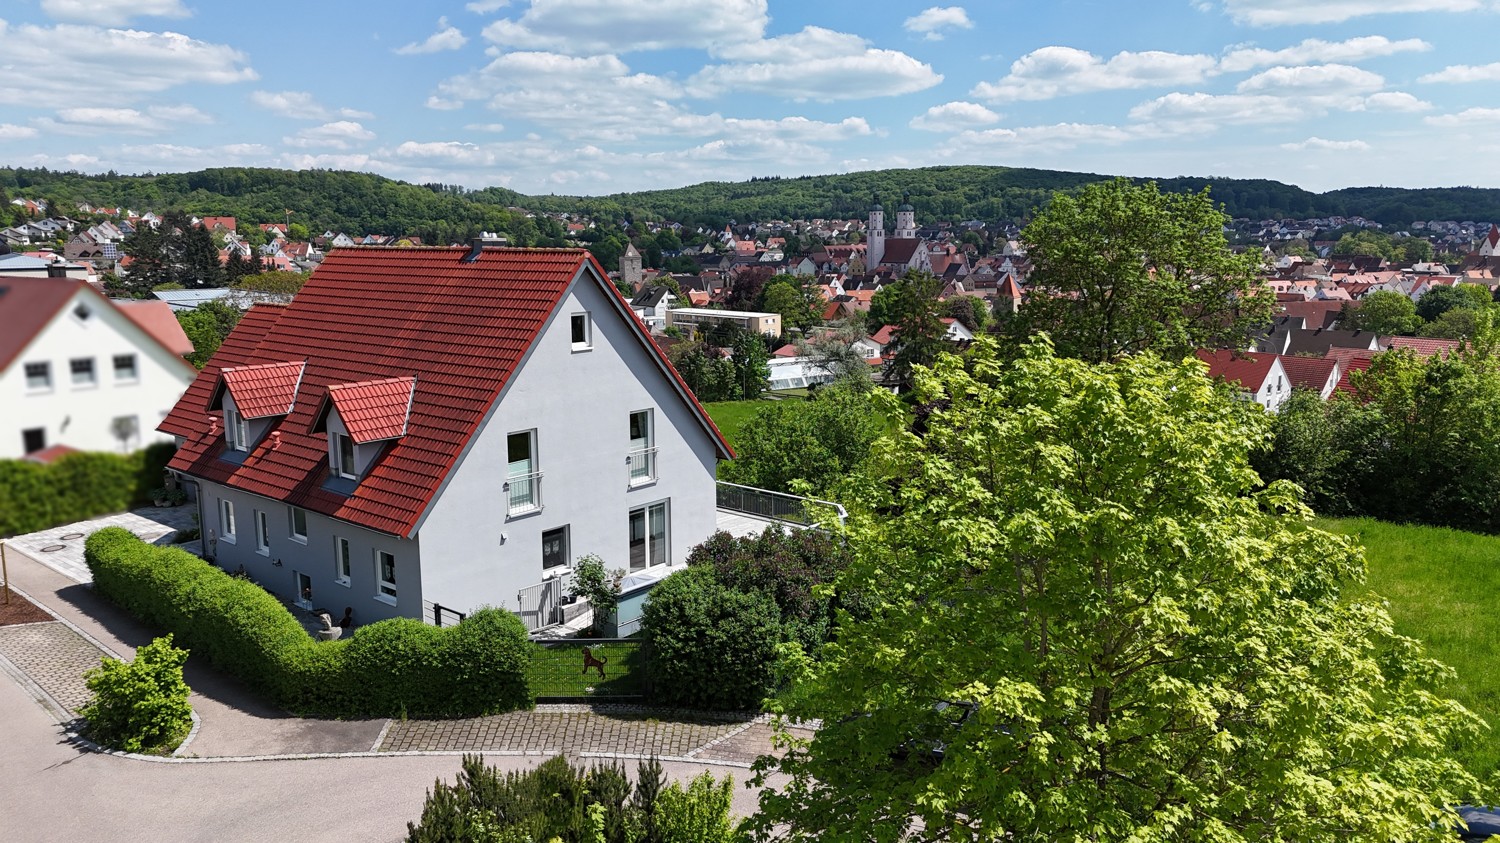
(579, 403)
(82, 416)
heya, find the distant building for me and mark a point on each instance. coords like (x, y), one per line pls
(630, 267)
(693, 319)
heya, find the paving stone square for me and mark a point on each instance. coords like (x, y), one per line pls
(570, 729)
(54, 656)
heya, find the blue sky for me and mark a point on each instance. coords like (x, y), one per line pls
(598, 96)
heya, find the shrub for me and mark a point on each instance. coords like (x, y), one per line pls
(396, 667)
(77, 487)
(593, 583)
(560, 802)
(712, 646)
(142, 705)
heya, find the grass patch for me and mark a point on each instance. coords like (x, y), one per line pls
(1441, 586)
(730, 416)
(557, 670)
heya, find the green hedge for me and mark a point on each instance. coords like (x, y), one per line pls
(398, 667)
(77, 487)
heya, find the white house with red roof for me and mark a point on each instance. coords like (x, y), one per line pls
(81, 371)
(445, 427)
(1260, 377)
(1490, 245)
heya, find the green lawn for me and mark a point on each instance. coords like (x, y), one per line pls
(731, 415)
(557, 670)
(1443, 587)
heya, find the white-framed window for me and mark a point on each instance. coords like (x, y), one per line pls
(649, 536)
(296, 519)
(555, 548)
(236, 431)
(82, 369)
(39, 376)
(523, 481)
(33, 439)
(226, 520)
(642, 453)
(385, 576)
(262, 533)
(582, 331)
(343, 560)
(125, 369)
(343, 456)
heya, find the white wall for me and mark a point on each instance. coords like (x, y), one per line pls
(579, 404)
(82, 417)
(314, 558)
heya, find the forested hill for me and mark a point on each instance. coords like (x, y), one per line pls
(365, 203)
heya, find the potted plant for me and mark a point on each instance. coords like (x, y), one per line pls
(165, 496)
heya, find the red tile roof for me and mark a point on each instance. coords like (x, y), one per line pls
(884, 335)
(157, 319)
(1246, 369)
(1308, 372)
(374, 411)
(50, 454)
(1353, 364)
(1425, 346)
(460, 327)
(263, 390)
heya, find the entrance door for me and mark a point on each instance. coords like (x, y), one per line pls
(304, 593)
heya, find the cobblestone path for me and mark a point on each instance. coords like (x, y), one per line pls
(54, 657)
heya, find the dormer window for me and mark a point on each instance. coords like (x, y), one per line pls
(344, 464)
(357, 417)
(236, 432)
(252, 397)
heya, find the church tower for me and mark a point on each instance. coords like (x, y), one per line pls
(630, 267)
(906, 219)
(875, 236)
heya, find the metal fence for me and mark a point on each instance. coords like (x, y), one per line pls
(541, 604)
(573, 669)
(523, 493)
(777, 506)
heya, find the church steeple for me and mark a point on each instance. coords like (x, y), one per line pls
(875, 235)
(906, 219)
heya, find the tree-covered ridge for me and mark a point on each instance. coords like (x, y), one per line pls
(366, 203)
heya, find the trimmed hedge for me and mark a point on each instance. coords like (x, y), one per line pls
(77, 487)
(392, 668)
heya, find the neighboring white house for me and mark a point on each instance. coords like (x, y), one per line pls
(80, 371)
(445, 427)
(652, 304)
(1260, 377)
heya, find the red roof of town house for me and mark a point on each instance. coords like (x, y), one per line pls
(374, 411)
(459, 326)
(1308, 372)
(50, 454)
(884, 335)
(157, 319)
(1353, 364)
(1244, 368)
(1425, 346)
(263, 390)
(788, 350)
(225, 222)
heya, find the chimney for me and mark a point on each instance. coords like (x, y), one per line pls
(477, 244)
(57, 270)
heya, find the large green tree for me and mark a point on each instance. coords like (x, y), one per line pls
(1384, 312)
(207, 326)
(803, 446)
(1084, 619)
(917, 315)
(1122, 268)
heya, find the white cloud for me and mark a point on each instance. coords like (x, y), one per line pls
(1312, 80)
(1300, 12)
(930, 21)
(93, 120)
(486, 127)
(1467, 117)
(484, 7)
(184, 156)
(179, 114)
(814, 64)
(584, 27)
(1465, 73)
(10, 131)
(1201, 108)
(1058, 71)
(1317, 143)
(452, 152)
(299, 105)
(1395, 101)
(340, 134)
(954, 117)
(1316, 49)
(328, 161)
(1056, 136)
(446, 38)
(112, 12)
(128, 63)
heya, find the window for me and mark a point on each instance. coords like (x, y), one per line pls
(385, 576)
(297, 519)
(236, 432)
(343, 449)
(581, 338)
(226, 520)
(648, 536)
(342, 561)
(642, 455)
(82, 313)
(555, 548)
(39, 376)
(33, 439)
(125, 368)
(523, 483)
(262, 533)
(83, 371)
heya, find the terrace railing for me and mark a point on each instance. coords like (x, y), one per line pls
(776, 506)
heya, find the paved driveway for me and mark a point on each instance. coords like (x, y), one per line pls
(61, 548)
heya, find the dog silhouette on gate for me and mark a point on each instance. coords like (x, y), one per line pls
(591, 661)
